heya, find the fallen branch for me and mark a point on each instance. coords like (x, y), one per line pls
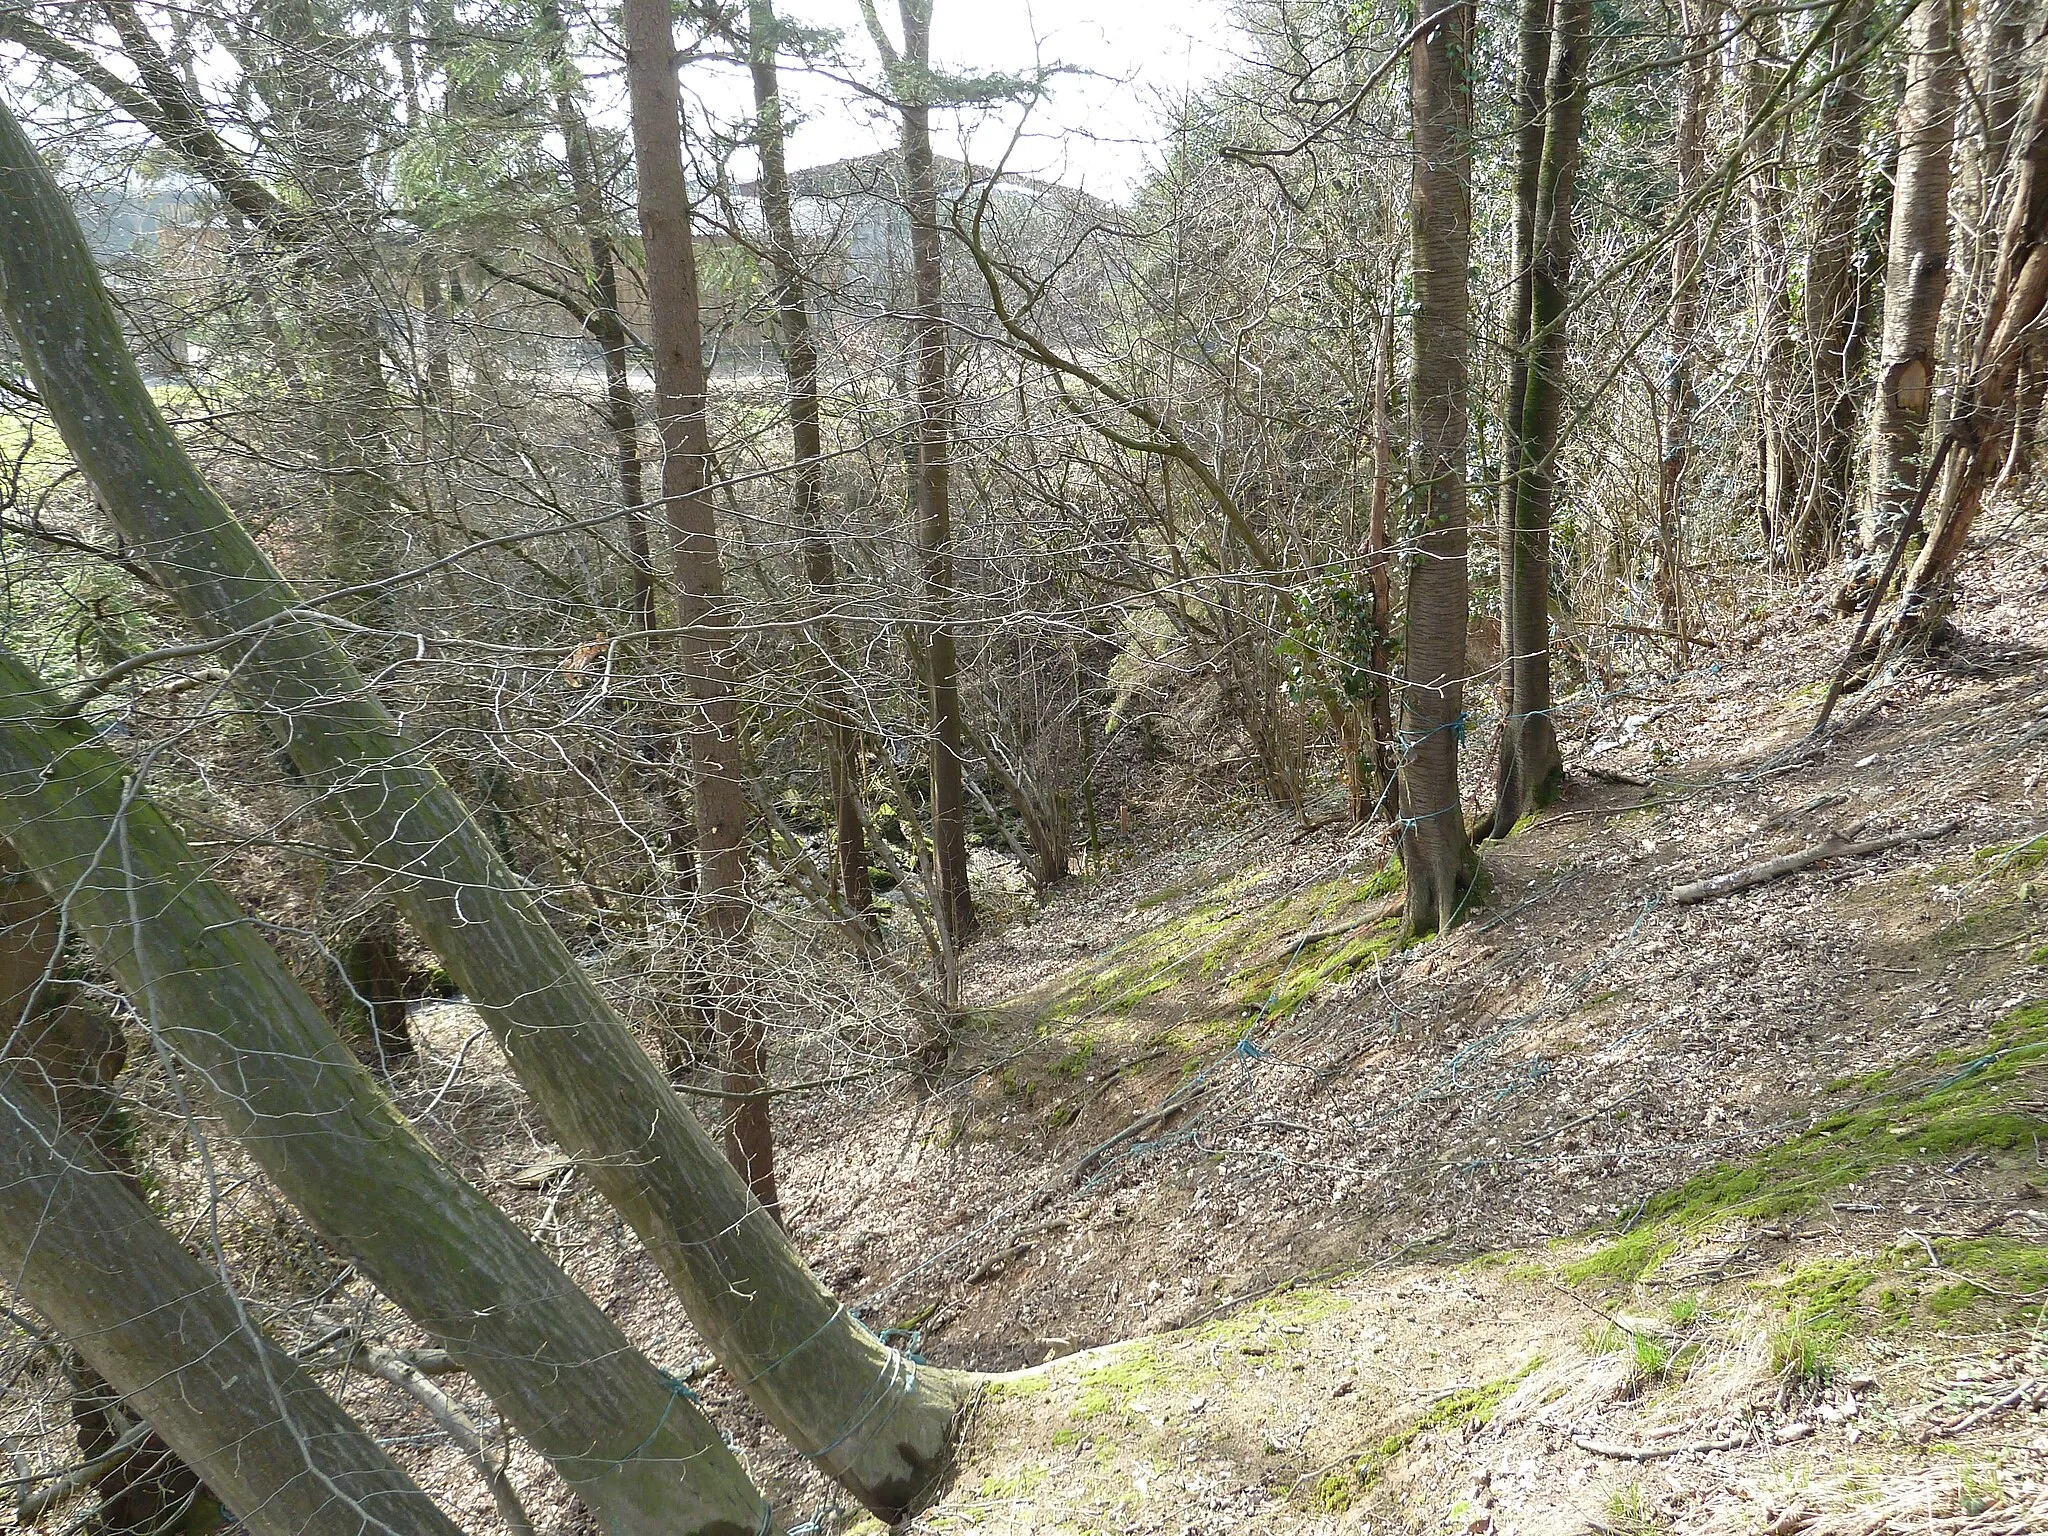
(1620, 1452)
(2029, 1393)
(1791, 863)
(468, 1436)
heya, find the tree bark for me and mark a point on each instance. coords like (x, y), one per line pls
(1696, 80)
(1436, 852)
(159, 1326)
(800, 367)
(1531, 765)
(1916, 279)
(882, 1427)
(704, 612)
(223, 1003)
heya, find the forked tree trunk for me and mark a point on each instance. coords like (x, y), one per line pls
(1436, 852)
(881, 1426)
(1833, 320)
(1700, 41)
(219, 998)
(1916, 280)
(703, 611)
(1531, 765)
(160, 1327)
(800, 366)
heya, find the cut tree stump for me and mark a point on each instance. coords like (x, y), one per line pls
(1752, 875)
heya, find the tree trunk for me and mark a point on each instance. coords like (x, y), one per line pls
(1532, 72)
(1700, 40)
(703, 611)
(1435, 850)
(932, 495)
(1531, 765)
(1984, 395)
(159, 1326)
(1379, 713)
(800, 366)
(1916, 279)
(1778, 472)
(882, 1427)
(1833, 321)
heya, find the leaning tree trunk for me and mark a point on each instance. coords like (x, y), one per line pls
(1531, 765)
(879, 1424)
(704, 613)
(86, 1253)
(1916, 279)
(1700, 40)
(1833, 322)
(219, 998)
(69, 1053)
(1435, 849)
(800, 366)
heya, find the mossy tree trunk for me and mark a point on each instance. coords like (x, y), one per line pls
(1531, 765)
(69, 1054)
(222, 1002)
(1436, 852)
(163, 1330)
(883, 1427)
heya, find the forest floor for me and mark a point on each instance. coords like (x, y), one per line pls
(1599, 1213)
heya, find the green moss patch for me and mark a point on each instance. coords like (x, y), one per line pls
(1933, 1109)
(1336, 1491)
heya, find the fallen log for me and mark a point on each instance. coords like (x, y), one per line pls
(1752, 875)
(1641, 1453)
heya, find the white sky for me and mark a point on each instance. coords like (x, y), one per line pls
(1097, 130)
